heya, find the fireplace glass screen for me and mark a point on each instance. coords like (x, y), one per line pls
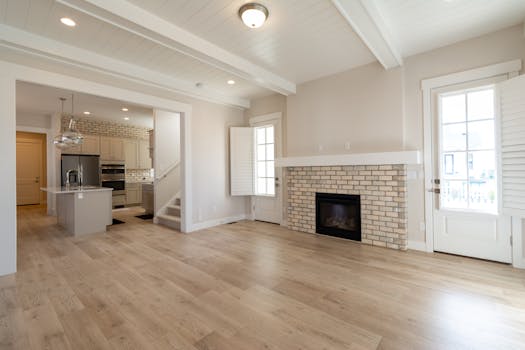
(338, 215)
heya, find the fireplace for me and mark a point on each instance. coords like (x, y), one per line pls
(338, 215)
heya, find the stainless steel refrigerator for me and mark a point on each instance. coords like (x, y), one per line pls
(87, 166)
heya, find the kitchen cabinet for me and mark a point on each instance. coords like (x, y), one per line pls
(111, 148)
(133, 193)
(91, 145)
(131, 154)
(144, 155)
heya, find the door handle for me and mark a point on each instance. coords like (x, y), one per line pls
(434, 190)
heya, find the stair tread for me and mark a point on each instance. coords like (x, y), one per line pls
(174, 206)
(169, 217)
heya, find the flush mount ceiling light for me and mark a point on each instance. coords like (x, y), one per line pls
(124, 109)
(87, 112)
(253, 15)
(230, 82)
(126, 118)
(68, 22)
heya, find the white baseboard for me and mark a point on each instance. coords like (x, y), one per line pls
(216, 222)
(417, 245)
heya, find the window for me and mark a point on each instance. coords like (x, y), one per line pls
(467, 150)
(264, 161)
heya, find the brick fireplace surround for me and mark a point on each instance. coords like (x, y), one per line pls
(383, 199)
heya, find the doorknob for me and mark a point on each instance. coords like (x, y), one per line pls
(434, 190)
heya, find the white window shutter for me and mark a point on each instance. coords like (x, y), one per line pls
(241, 161)
(512, 105)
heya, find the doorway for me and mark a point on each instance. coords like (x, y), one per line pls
(467, 218)
(267, 201)
(31, 168)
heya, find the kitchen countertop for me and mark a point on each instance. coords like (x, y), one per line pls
(75, 189)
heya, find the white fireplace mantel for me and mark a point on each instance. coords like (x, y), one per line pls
(402, 157)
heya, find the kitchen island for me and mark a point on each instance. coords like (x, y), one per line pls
(83, 209)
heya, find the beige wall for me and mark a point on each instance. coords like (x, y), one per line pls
(377, 110)
(211, 163)
(362, 106)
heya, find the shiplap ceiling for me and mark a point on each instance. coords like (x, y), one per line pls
(41, 100)
(420, 26)
(175, 44)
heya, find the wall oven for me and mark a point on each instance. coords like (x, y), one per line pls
(113, 175)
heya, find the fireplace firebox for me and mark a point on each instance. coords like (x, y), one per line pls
(338, 215)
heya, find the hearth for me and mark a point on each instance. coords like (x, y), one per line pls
(338, 215)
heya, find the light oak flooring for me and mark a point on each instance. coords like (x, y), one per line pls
(247, 286)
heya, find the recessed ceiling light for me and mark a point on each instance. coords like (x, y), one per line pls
(68, 22)
(87, 112)
(124, 109)
(253, 15)
(231, 82)
(126, 118)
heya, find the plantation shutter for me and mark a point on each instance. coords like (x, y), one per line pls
(512, 104)
(241, 161)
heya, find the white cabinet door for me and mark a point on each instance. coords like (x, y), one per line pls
(117, 149)
(91, 145)
(105, 148)
(131, 154)
(144, 155)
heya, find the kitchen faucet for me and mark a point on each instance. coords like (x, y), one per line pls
(68, 174)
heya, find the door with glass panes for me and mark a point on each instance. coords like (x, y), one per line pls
(467, 217)
(268, 195)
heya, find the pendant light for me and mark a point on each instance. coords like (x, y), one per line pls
(71, 136)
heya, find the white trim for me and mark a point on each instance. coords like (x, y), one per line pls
(221, 221)
(518, 255)
(402, 157)
(427, 85)
(471, 75)
(50, 162)
(40, 46)
(133, 19)
(417, 245)
(368, 23)
(16, 72)
(163, 210)
(265, 118)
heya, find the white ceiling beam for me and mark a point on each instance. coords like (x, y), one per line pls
(44, 47)
(368, 23)
(138, 21)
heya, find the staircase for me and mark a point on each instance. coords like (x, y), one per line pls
(171, 218)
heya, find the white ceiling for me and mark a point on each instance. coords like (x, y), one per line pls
(301, 40)
(175, 44)
(419, 26)
(34, 99)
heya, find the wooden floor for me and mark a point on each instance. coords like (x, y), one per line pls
(251, 286)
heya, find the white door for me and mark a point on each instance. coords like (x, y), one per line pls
(467, 210)
(267, 202)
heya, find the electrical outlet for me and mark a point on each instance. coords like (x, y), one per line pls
(347, 145)
(422, 226)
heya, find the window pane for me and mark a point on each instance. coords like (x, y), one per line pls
(261, 135)
(481, 135)
(270, 170)
(453, 108)
(261, 155)
(454, 137)
(480, 104)
(455, 165)
(261, 169)
(454, 194)
(482, 166)
(261, 186)
(269, 134)
(271, 187)
(269, 152)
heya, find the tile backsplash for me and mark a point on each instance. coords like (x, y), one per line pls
(107, 128)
